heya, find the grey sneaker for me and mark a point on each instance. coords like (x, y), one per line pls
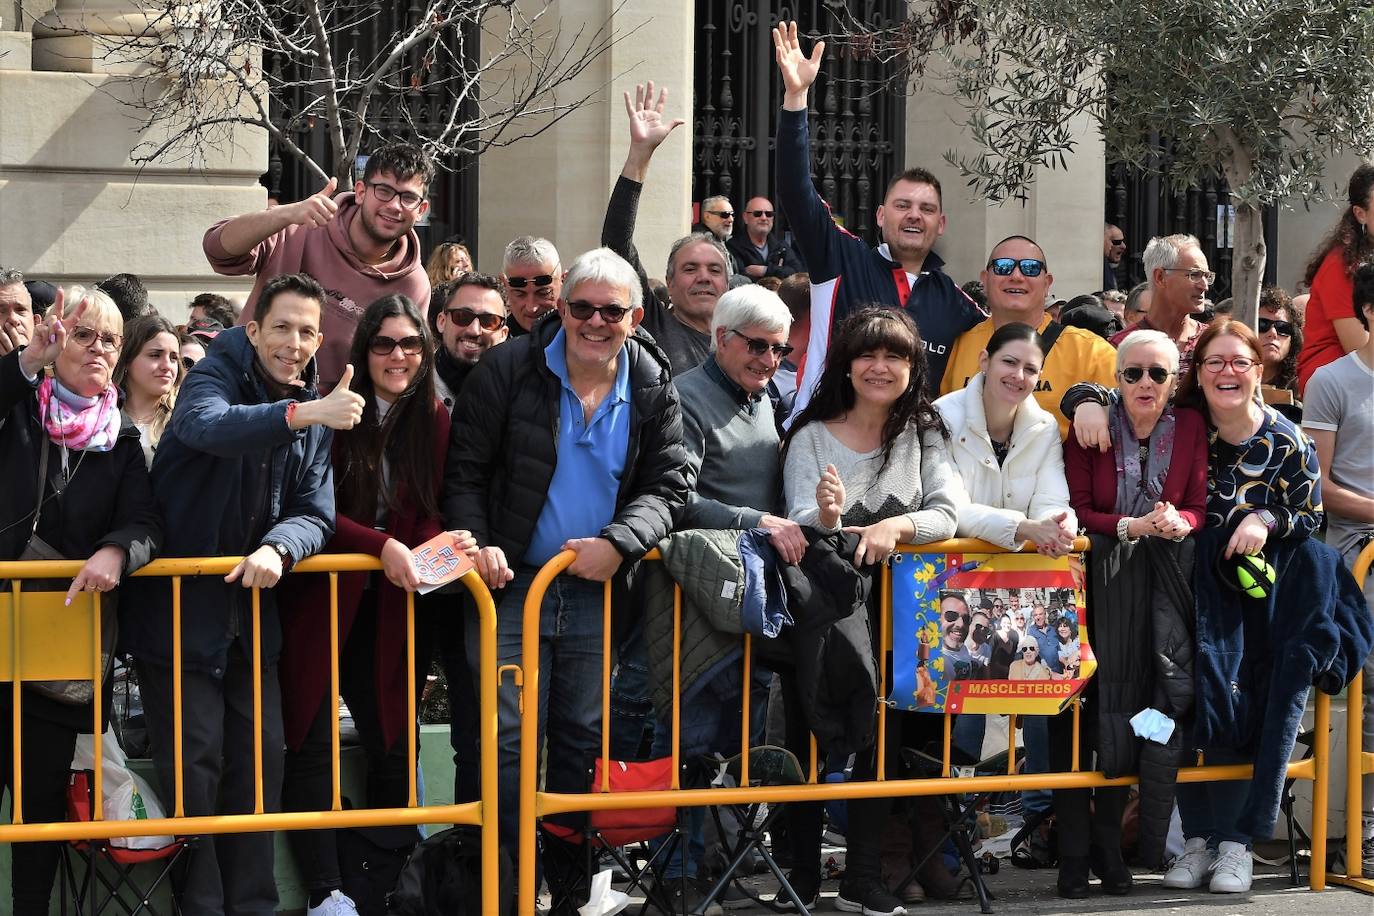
(1190, 869)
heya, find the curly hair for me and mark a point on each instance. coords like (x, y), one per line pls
(1356, 244)
(1276, 299)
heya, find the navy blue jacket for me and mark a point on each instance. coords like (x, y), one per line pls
(229, 474)
(1256, 659)
(846, 274)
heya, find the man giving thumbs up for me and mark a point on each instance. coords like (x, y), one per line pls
(360, 245)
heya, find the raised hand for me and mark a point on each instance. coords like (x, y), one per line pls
(317, 209)
(798, 71)
(342, 408)
(50, 335)
(830, 497)
(647, 127)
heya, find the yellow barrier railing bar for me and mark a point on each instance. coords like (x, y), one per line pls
(481, 813)
(885, 613)
(1359, 762)
(605, 688)
(98, 788)
(335, 742)
(744, 714)
(677, 679)
(412, 719)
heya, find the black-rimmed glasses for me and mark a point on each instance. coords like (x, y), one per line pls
(386, 194)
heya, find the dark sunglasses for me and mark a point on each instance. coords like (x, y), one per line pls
(488, 321)
(758, 347)
(760, 214)
(583, 311)
(1133, 374)
(951, 616)
(540, 281)
(187, 363)
(1117, 243)
(385, 346)
(1030, 267)
(723, 214)
(1285, 328)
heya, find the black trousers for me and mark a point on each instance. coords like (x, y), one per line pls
(308, 784)
(47, 748)
(1086, 818)
(440, 620)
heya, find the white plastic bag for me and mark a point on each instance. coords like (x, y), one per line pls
(128, 797)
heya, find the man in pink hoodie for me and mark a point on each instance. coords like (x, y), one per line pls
(360, 246)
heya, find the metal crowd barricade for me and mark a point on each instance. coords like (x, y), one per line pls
(536, 804)
(1359, 761)
(47, 657)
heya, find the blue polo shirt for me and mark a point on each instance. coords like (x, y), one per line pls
(591, 460)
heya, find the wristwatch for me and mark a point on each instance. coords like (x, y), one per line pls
(287, 561)
(1270, 522)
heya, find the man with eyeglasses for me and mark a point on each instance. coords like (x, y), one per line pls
(360, 245)
(1017, 279)
(846, 274)
(757, 253)
(699, 266)
(534, 281)
(474, 319)
(569, 438)
(1113, 251)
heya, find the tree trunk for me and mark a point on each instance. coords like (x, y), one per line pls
(1247, 264)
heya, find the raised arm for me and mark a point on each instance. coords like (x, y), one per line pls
(240, 235)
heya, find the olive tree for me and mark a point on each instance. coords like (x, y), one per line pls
(1260, 91)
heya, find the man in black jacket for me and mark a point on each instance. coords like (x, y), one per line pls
(569, 438)
(756, 252)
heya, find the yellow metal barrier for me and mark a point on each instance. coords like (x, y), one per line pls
(48, 623)
(535, 804)
(1358, 762)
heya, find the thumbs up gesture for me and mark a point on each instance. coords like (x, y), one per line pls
(317, 209)
(342, 408)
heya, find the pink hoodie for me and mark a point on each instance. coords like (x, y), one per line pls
(326, 254)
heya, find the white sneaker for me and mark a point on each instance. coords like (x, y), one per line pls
(336, 904)
(1233, 869)
(1190, 869)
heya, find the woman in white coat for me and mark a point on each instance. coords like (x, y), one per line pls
(1008, 452)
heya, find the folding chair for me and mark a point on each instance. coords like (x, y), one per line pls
(110, 868)
(768, 766)
(960, 815)
(607, 832)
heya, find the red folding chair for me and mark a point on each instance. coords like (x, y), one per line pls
(109, 874)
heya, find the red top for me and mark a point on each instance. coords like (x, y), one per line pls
(1092, 477)
(1333, 296)
(304, 666)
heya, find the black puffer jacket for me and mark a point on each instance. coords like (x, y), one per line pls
(502, 450)
(1142, 623)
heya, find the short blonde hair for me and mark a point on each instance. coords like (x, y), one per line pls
(1136, 338)
(99, 306)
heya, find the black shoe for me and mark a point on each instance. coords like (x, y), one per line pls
(1073, 877)
(1109, 866)
(806, 883)
(869, 897)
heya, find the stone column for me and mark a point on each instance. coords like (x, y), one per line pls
(95, 36)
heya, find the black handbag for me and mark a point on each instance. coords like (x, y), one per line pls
(370, 862)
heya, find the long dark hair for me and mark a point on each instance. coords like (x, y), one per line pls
(869, 329)
(1011, 332)
(1355, 241)
(405, 437)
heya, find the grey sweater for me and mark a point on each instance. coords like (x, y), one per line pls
(917, 482)
(732, 452)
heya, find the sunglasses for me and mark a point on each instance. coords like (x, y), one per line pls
(1118, 243)
(723, 214)
(1284, 328)
(187, 363)
(83, 336)
(1132, 375)
(1030, 267)
(540, 281)
(488, 321)
(1030, 649)
(385, 346)
(951, 616)
(760, 214)
(758, 347)
(583, 311)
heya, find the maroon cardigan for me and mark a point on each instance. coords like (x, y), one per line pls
(1092, 477)
(304, 662)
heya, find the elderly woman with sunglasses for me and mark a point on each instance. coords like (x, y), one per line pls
(77, 489)
(1138, 499)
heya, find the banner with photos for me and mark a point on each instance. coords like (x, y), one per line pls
(988, 633)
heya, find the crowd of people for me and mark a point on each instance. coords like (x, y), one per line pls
(818, 401)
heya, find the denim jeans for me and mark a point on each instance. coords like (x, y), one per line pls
(1210, 809)
(968, 733)
(569, 688)
(632, 708)
(1035, 734)
(710, 723)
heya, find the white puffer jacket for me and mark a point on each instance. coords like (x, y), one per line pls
(1030, 484)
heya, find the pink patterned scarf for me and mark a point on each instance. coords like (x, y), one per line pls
(77, 422)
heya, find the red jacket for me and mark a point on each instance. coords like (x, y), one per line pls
(305, 613)
(1092, 477)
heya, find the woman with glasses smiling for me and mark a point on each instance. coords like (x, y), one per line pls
(387, 474)
(1138, 500)
(77, 488)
